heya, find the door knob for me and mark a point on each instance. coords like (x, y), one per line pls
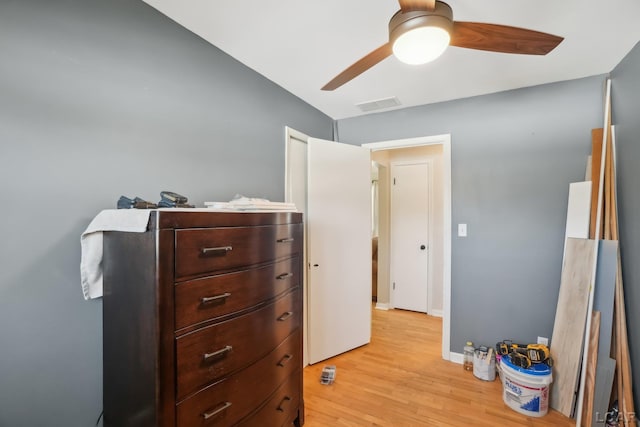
(423, 247)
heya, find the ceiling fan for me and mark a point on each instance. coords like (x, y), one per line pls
(422, 29)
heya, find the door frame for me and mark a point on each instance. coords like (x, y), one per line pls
(445, 141)
(392, 267)
(294, 135)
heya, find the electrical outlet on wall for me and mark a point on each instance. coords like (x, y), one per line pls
(543, 340)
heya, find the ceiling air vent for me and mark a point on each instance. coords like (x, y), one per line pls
(378, 104)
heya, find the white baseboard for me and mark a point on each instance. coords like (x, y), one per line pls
(382, 306)
(456, 358)
(436, 313)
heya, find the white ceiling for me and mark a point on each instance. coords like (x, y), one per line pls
(302, 44)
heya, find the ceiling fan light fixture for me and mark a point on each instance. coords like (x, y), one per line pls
(421, 45)
(420, 36)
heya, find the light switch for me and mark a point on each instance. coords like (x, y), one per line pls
(462, 230)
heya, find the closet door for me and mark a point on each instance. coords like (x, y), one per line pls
(339, 248)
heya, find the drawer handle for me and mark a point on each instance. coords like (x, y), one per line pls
(221, 250)
(285, 360)
(285, 240)
(216, 411)
(285, 316)
(284, 276)
(282, 402)
(207, 300)
(217, 353)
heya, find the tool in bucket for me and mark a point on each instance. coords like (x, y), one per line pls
(524, 355)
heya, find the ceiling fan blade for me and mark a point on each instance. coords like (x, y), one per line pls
(360, 67)
(407, 5)
(502, 38)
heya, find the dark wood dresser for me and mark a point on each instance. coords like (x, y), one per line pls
(202, 321)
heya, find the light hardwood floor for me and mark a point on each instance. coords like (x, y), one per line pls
(400, 380)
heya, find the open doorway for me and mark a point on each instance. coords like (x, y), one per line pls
(375, 226)
(380, 231)
(408, 201)
(435, 153)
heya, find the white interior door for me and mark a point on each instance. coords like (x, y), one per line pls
(339, 248)
(410, 236)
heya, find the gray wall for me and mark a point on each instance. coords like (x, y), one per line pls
(625, 81)
(513, 156)
(100, 99)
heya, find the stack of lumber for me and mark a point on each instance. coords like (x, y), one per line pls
(589, 345)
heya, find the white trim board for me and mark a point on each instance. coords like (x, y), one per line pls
(456, 358)
(599, 219)
(445, 141)
(578, 210)
(409, 142)
(292, 135)
(382, 306)
(437, 313)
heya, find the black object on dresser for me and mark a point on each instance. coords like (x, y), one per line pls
(202, 321)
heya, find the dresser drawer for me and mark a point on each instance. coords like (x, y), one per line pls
(217, 350)
(202, 251)
(231, 399)
(281, 408)
(201, 299)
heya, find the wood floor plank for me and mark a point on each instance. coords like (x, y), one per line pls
(570, 322)
(400, 380)
(589, 390)
(622, 343)
(596, 156)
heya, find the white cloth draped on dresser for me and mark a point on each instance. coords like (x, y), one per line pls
(131, 220)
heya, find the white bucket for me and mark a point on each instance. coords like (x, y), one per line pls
(526, 390)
